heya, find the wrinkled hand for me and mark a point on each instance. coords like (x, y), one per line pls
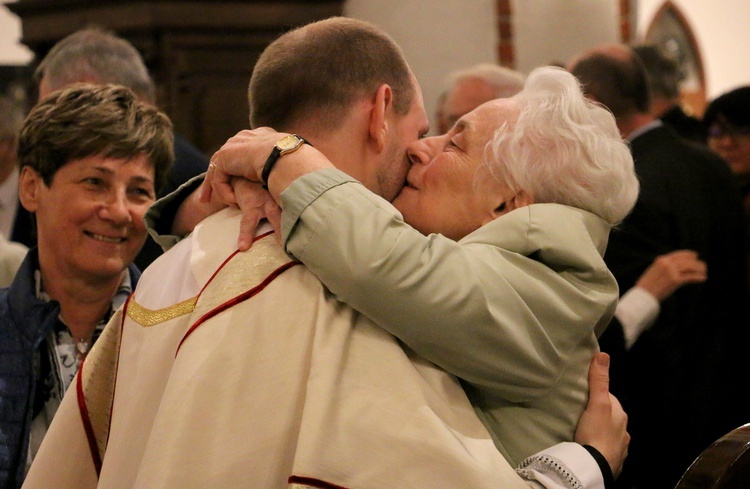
(603, 424)
(233, 178)
(243, 155)
(671, 271)
(256, 203)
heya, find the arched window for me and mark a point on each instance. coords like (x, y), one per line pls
(671, 31)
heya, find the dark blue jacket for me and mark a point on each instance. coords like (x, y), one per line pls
(24, 322)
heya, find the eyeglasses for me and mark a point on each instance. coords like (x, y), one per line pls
(734, 132)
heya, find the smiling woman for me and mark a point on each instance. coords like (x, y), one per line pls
(102, 228)
(91, 160)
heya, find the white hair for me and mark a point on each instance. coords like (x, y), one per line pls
(564, 149)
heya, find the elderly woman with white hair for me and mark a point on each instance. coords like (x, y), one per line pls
(489, 262)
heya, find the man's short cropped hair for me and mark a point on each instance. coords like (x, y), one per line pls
(86, 120)
(615, 76)
(319, 70)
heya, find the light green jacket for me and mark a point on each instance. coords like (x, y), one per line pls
(513, 309)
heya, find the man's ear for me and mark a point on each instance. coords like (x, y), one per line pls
(382, 104)
(29, 187)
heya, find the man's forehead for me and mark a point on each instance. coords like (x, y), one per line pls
(418, 111)
(470, 91)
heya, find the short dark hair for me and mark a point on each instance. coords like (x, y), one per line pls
(733, 107)
(319, 70)
(621, 84)
(88, 120)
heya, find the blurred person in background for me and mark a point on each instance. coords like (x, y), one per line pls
(11, 256)
(12, 113)
(665, 76)
(468, 88)
(688, 201)
(11, 253)
(727, 118)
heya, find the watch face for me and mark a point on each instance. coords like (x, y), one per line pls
(288, 142)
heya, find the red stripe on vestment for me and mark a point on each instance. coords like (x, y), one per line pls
(227, 261)
(309, 481)
(87, 427)
(117, 364)
(238, 299)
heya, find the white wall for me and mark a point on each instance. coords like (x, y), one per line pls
(12, 52)
(722, 31)
(436, 36)
(442, 35)
(548, 31)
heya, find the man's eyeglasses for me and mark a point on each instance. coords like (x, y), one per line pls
(716, 131)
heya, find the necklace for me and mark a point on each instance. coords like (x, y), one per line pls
(82, 344)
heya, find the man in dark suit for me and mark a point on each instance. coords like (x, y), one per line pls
(98, 56)
(680, 381)
(665, 77)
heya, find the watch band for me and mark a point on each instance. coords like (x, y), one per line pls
(277, 153)
(601, 461)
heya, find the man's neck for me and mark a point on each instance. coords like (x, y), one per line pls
(346, 147)
(629, 124)
(661, 106)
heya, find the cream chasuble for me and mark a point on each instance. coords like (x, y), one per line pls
(239, 370)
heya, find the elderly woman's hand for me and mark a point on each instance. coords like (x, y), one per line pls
(256, 204)
(243, 155)
(234, 177)
(603, 425)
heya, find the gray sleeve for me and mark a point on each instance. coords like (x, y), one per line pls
(161, 214)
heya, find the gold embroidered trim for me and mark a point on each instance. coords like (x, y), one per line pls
(242, 273)
(147, 317)
(98, 380)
